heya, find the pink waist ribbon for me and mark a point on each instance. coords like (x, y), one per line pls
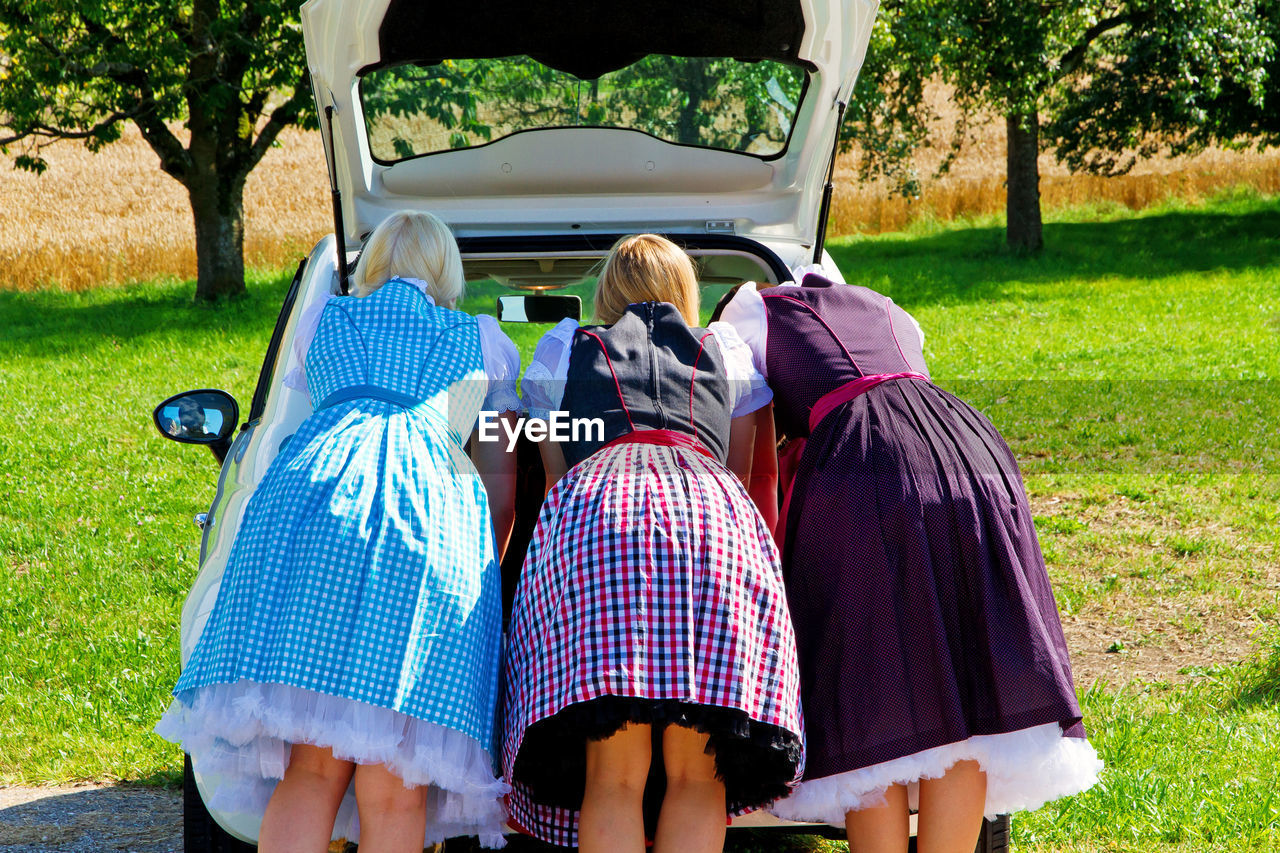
(662, 437)
(851, 390)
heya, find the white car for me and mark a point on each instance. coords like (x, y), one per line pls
(541, 132)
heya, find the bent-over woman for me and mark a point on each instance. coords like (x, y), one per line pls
(350, 665)
(933, 664)
(650, 645)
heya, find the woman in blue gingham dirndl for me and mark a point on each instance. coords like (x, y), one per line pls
(360, 609)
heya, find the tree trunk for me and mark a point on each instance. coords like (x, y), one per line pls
(695, 83)
(218, 207)
(1023, 230)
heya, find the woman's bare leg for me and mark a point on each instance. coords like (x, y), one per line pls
(881, 829)
(393, 818)
(951, 809)
(300, 814)
(692, 819)
(612, 819)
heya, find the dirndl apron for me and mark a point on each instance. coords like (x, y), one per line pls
(928, 631)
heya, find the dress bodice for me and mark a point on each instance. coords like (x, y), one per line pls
(813, 338)
(396, 339)
(649, 370)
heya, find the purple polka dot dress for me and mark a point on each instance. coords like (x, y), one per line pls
(926, 627)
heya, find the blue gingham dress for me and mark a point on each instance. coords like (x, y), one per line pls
(360, 608)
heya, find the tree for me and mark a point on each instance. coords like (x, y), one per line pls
(1035, 61)
(717, 102)
(887, 115)
(233, 71)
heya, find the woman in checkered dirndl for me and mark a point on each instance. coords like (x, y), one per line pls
(650, 647)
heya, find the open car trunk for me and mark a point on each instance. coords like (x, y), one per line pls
(575, 117)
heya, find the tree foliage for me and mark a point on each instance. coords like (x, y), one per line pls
(444, 94)
(888, 117)
(1187, 74)
(1106, 80)
(689, 99)
(720, 103)
(233, 72)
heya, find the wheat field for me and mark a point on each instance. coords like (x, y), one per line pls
(114, 216)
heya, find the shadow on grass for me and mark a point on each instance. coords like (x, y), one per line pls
(58, 323)
(147, 820)
(1133, 428)
(970, 264)
(956, 265)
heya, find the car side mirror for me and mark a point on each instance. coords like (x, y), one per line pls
(207, 416)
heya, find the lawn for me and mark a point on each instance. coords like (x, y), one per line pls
(1133, 366)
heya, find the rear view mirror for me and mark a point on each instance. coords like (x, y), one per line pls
(538, 308)
(208, 416)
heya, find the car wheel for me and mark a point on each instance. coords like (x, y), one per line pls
(994, 837)
(200, 832)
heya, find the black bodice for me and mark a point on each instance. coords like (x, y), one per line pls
(649, 370)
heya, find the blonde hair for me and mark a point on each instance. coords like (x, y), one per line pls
(412, 244)
(646, 268)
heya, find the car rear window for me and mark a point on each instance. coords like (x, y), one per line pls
(721, 103)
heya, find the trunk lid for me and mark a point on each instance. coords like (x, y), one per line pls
(510, 118)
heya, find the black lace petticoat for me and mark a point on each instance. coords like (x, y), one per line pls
(753, 759)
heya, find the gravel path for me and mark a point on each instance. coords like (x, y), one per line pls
(90, 819)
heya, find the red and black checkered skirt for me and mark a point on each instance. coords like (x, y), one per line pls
(651, 593)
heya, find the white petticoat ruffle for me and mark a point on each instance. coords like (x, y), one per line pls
(1025, 769)
(240, 734)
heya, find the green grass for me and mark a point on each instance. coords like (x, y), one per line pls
(1169, 293)
(1133, 366)
(1191, 767)
(97, 546)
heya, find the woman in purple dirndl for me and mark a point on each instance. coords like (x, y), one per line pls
(933, 664)
(650, 638)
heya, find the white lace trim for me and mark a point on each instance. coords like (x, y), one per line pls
(1025, 769)
(240, 735)
(544, 378)
(501, 365)
(502, 398)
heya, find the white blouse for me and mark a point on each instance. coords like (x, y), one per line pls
(746, 314)
(501, 358)
(545, 378)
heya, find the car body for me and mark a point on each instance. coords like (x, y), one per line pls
(735, 174)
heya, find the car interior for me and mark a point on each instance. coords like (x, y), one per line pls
(537, 278)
